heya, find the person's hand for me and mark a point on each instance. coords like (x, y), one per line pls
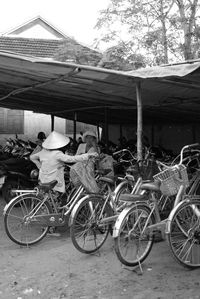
(93, 155)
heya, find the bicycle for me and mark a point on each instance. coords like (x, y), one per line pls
(192, 163)
(135, 226)
(93, 216)
(28, 217)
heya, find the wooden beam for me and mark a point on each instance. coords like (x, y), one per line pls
(139, 121)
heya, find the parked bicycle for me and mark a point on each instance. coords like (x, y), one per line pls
(93, 216)
(28, 217)
(135, 226)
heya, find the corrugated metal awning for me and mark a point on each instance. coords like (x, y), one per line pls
(168, 92)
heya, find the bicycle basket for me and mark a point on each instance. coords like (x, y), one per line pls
(74, 178)
(171, 179)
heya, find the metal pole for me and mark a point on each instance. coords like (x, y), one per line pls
(52, 122)
(139, 121)
(75, 119)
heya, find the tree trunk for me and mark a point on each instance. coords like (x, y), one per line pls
(164, 33)
(187, 24)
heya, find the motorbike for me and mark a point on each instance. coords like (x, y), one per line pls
(16, 170)
(17, 173)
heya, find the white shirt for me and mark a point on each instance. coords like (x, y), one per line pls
(51, 165)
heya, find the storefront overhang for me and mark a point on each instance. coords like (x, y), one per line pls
(169, 93)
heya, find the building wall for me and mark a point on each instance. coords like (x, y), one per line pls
(33, 124)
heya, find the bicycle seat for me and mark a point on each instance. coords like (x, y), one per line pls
(47, 186)
(133, 197)
(152, 186)
(108, 180)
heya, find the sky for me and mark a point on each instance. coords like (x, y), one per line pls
(75, 18)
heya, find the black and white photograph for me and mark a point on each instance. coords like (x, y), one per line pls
(100, 149)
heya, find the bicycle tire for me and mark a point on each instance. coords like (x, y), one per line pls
(26, 202)
(184, 234)
(86, 218)
(138, 210)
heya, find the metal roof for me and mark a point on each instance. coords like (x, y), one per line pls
(169, 93)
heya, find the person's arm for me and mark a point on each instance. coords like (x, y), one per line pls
(72, 159)
(35, 158)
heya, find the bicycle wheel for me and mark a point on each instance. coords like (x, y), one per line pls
(87, 231)
(132, 245)
(21, 225)
(184, 234)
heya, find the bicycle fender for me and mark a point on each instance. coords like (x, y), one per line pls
(12, 200)
(75, 208)
(171, 215)
(117, 189)
(121, 217)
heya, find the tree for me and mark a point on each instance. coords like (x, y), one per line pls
(120, 57)
(71, 51)
(162, 30)
(187, 12)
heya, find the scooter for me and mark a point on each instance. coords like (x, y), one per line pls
(17, 173)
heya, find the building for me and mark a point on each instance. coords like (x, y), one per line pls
(39, 38)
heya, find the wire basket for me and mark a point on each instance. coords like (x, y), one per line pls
(172, 178)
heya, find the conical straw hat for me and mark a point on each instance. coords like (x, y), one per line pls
(88, 133)
(55, 140)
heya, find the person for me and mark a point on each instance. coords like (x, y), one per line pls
(89, 144)
(83, 173)
(50, 160)
(40, 139)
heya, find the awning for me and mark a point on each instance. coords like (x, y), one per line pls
(169, 93)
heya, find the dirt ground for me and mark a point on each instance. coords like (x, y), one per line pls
(54, 269)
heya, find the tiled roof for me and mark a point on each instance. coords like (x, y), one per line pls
(30, 46)
(64, 49)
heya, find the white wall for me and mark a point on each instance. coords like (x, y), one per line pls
(36, 122)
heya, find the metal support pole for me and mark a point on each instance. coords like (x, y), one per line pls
(139, 121)
(52, 122)
(75, 119)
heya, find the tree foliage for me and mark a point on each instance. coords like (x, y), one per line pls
(72, 51)
(152, 31)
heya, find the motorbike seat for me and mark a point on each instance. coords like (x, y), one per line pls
(45, 187)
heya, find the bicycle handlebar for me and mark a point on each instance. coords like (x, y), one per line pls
(189, 146)
(118, 152)
(122, 151)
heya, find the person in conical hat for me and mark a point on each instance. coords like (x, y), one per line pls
(50, 160)
(89, 145)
